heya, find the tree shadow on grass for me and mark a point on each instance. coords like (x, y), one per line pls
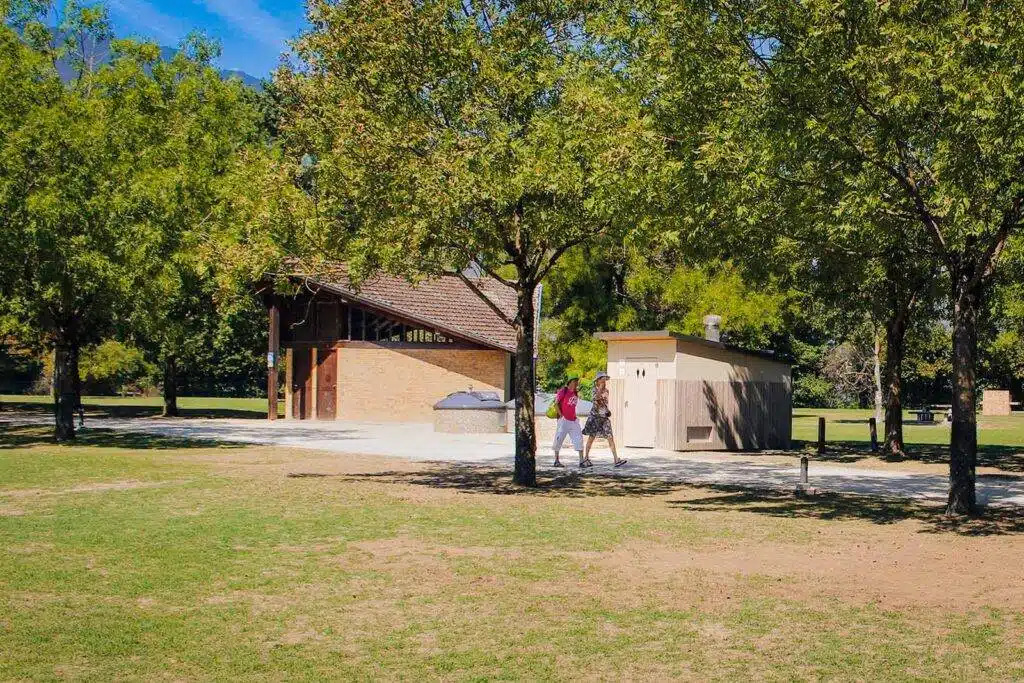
(839, 507)
(27, 436)
(1006, 458)
(498, 481)
(476, 479)
(97, 411)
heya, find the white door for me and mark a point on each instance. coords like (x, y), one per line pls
(641, 390)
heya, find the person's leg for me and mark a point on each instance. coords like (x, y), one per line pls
(611, 445)
(556, 446)
(590, 443)
(615, 451)
(576, 435)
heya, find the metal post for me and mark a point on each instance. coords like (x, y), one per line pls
(273, 343)
(873, 425)
(821, 435)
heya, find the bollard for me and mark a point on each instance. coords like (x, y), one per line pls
(873, 424)
(821, 435)
(803, 470)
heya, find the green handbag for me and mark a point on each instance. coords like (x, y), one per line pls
(553, 410)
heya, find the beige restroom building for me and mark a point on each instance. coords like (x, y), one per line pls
(683, 393)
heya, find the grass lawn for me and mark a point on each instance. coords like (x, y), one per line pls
(136, 558)
(1000, 439)
(852, 426)
(143, 406)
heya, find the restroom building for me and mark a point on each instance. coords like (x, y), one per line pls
(679, 392)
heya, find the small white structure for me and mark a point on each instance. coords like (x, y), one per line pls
(678, 392)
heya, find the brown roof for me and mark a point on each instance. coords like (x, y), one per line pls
(444, 302)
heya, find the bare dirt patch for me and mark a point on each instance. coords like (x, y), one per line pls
(885, 569)
(124, 485)
(890, 559)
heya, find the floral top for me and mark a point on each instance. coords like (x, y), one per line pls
(601, 400)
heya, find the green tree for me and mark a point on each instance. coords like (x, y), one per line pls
(66, 171)
(204, 120)
(112, 367)
(450, 132)
(918, 103)
(95, 177)
(620, 287)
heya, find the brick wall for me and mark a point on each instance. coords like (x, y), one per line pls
(388, 384)
(995, 402)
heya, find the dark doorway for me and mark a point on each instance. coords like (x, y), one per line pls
(326, 383)
(302, 383)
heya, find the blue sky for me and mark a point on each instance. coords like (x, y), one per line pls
(252, 32)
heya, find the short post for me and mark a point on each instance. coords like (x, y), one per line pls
(821, 435)
(873, 425)
(803, 470)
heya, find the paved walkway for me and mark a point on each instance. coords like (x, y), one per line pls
(420, 442)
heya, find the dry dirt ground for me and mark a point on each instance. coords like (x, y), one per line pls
(885, 552)
(367, 567)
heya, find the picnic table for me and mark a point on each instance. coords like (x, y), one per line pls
(926, 414)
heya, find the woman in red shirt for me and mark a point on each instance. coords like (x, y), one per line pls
(566, 400)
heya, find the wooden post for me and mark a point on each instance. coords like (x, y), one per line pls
(821, 435)
(803, 470)
(873, 425)
(273, 344)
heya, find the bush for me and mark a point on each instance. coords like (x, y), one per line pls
(114, 368)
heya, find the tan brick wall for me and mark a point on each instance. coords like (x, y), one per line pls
(995, 402)
(396, 385)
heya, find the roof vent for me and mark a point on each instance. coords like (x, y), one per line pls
(473, 271)
(712, 328)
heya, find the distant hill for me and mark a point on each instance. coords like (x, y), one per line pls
(101, 53)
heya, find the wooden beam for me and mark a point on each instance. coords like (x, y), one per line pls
(273, 347)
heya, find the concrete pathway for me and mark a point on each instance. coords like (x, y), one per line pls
(419, 442)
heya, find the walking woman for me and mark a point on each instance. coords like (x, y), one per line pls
(568, 426)
(599, 423)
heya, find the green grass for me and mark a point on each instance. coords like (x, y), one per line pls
(847, 434)
(148, 406)
(852, 425)
(141, 560)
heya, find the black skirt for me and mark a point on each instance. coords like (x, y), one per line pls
(598, 425)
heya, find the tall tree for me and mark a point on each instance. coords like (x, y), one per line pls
(448, 132)
(919, 104)
(87, 172)
(204, 121)
(66, 169)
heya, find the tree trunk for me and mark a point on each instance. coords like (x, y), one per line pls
(170, 386)
(877, 359)
(523, 391)
(66, 389)
(895, 350)
(963, 442)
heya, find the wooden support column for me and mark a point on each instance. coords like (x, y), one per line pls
(273, 347)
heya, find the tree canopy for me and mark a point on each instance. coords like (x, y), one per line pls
(448, 133)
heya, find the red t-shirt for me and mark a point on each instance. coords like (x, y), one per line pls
(567, 401)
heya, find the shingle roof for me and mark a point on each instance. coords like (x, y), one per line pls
(444, 302)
